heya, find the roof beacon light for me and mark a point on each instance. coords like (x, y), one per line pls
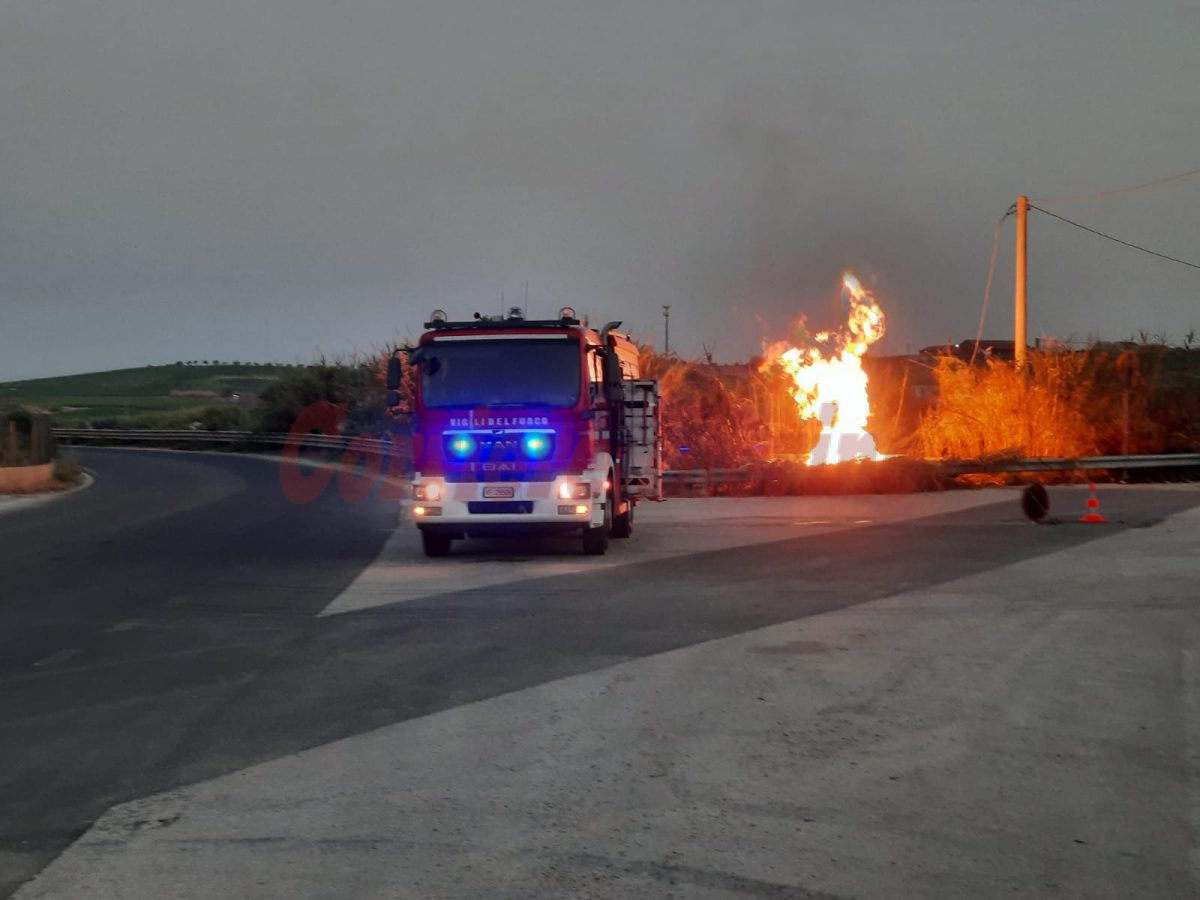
(438, 315)
(567, 312)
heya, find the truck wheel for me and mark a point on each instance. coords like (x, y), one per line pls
(435, 544)
(623, 523)
(595, 540)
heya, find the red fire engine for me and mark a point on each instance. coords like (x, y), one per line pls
(524, 426)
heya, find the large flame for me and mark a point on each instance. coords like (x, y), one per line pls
(829, 383)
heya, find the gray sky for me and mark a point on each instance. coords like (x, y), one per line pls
(266, 179)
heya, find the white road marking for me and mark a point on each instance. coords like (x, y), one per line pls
(401, 573)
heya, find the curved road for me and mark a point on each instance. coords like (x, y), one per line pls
(164, 626)
(135, 615)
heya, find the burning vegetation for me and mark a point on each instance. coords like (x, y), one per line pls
(1105, 399)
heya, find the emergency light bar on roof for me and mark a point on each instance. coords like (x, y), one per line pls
(439, 322)
(558, 336)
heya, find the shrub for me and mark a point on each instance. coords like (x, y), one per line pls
(205, 418)
(67, 470)
(996, 410)
(354, 385)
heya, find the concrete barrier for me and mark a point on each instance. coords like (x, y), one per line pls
(26, 479)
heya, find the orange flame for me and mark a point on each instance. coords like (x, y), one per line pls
(833, 388)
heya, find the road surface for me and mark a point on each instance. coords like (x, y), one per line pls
(211, 692)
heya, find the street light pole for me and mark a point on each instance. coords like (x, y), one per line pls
(666, 329)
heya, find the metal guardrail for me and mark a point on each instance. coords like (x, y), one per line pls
(690, 481)
(206, 439)
(693, 482)
(1074, 464)
(972, 467)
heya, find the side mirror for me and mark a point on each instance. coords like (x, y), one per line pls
(394, 376)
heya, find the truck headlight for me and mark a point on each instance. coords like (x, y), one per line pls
(574, 490)
(429, 491)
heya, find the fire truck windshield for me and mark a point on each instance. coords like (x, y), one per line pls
(503, 372)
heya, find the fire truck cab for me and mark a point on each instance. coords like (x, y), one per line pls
(523, 426)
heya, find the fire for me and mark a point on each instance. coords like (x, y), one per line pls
(829, 383)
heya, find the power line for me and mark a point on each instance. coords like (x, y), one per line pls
(987, 291)
(1070, 198)
(1182, 262)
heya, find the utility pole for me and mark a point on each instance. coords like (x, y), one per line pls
(666, 329)
(1019, 282)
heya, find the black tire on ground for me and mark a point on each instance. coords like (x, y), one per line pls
(1035, 502)
(595, 540)
(623, 523)
(435, 544)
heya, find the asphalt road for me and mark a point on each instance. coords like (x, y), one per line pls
(162, 627)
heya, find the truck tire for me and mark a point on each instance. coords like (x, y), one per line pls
(623, 523)
(435, 544)
(595, 540)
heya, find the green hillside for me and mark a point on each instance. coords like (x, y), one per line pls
(143, 397)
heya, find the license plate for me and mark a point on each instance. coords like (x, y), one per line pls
(498, 493)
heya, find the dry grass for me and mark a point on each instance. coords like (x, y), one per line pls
(998, 412)
(1124, 399)
(706, 424)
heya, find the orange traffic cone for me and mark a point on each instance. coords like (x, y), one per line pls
(1093, 506)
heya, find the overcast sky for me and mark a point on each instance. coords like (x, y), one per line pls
(269, 179)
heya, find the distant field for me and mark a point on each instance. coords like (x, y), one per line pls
(127, 394)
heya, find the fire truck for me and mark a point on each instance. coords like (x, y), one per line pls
(522, 426)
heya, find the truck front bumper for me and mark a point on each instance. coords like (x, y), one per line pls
(569, 502)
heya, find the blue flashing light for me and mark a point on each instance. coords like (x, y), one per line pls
(461, 446)
(537, 445)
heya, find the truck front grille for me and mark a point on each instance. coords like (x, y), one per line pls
(499, 507)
